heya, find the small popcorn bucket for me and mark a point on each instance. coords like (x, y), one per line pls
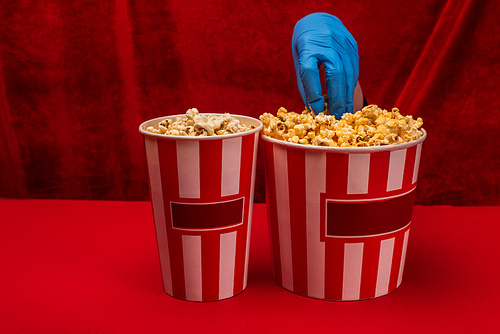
(202, 191)
(339, 218)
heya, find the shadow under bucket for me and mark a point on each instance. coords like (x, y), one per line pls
(339, 218)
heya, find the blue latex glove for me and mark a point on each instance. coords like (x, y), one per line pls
(322, 38)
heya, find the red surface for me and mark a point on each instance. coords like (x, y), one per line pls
(78, 77)
(92, 266)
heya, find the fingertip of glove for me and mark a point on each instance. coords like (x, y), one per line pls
(318, 105)
(337, 113)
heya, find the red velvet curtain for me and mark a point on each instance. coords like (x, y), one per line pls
(78, 77)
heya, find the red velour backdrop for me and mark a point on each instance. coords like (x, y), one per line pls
(78, 77)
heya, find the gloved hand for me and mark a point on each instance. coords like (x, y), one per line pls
(322, 38)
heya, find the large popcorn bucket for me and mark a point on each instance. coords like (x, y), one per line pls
(202, 190)
(339, 218)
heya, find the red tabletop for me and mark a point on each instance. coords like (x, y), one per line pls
(92, 266)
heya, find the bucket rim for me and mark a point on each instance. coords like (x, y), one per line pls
(247, 120)
(366, 149)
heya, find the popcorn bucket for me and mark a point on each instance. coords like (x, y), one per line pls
(202, 190)
(339, 218)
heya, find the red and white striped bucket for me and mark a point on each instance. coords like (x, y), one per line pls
(202, 191)
(339, 218)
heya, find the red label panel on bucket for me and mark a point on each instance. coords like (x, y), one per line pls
(348, 219)
(207, 215)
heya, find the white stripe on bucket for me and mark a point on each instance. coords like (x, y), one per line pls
(384, 267)
(231, 161)
(403, 257)
(159, 211)
(396, 170)
(315, 169)
(283, 213)
(417, 163)
(227, 264)
(353, 262)
(191, 253)
(188, 168)
(358, 173)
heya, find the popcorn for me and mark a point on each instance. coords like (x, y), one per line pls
(371, 126)
(195, 124)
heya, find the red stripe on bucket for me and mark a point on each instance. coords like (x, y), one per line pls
(379, 167)
(239, 265)
(336, 174)
(371, 253)
(297, 190)
(247, 145)
(177, 264)
(210, 167)
(334, 269)
(409, 166)
(245, 185)
(169, 180)
(210, 258)
(396, 260)
(272, 209)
